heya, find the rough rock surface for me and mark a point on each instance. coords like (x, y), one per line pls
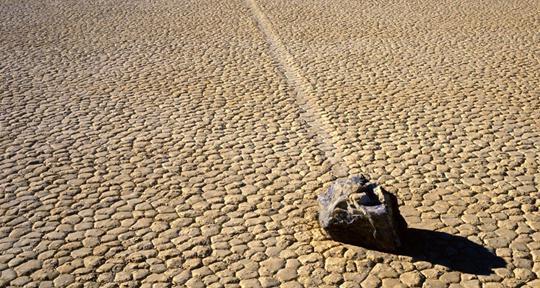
(361, 212)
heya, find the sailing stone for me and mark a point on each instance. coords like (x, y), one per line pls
(357, 211)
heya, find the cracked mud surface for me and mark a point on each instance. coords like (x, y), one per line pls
(184, 143)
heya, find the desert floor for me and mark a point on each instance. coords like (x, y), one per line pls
(184, 143)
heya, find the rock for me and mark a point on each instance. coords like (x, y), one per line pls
(360, 212)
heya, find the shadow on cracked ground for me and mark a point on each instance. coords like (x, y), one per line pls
(455, 252)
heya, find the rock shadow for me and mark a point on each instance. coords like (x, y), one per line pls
(455, 252)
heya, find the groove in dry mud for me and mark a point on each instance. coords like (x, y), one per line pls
(311, 112)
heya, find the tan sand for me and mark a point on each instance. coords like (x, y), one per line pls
(184, 143)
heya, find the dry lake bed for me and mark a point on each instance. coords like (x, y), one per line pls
(184, 143)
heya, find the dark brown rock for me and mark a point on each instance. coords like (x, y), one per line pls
(360, 212)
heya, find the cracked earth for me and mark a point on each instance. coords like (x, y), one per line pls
(184, 143)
